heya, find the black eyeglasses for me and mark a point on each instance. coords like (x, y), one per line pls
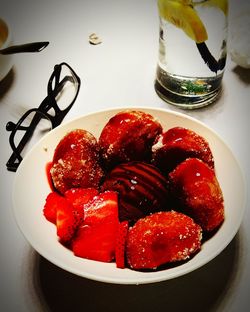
(63, 88)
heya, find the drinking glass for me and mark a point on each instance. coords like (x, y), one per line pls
(192, 51)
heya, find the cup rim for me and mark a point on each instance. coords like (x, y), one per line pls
(7, 41)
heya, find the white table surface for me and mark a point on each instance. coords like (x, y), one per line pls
(118, 72)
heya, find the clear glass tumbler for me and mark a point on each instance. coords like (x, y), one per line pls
(192, 51)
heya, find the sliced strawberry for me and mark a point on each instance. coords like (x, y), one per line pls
(80, 196)
(53, 200)
(67, 221)
(96, 242)
(103, 207)
(120, 244)
(96, 237)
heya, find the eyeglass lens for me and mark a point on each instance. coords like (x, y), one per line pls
(43, 126)
(63, 88)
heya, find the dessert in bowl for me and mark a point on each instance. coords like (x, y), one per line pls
(42, 234)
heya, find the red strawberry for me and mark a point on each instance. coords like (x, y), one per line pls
(104, 206)
(160, 238)
(120, 244)
(96, 237)
(95, 242)
(79, 197)
(67, 221)
(53, 200)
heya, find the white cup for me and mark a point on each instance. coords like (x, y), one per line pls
(6, 61)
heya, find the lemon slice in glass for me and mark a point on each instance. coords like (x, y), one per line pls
(182, 15)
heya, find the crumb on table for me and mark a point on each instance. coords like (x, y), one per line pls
(94, 39)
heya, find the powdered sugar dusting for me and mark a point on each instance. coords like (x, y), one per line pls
(158, 144)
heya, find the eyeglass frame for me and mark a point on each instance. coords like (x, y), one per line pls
(40, 113)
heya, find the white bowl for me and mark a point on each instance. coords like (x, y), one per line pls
(31, 188)
(6, 61)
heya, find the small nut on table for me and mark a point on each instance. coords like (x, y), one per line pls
(94, 39)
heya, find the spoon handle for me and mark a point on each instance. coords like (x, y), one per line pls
(28, 47)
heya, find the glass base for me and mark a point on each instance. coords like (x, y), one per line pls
(186, 92)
